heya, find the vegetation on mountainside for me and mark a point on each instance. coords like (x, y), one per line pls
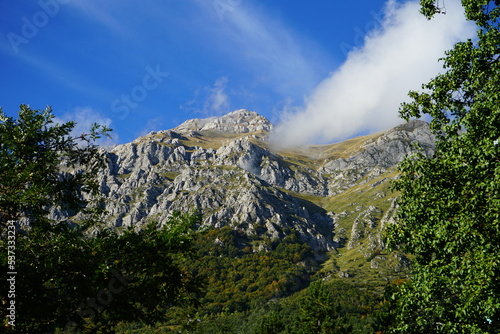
(279, 291)
(333, 307)
(82, 277)
(449, 215)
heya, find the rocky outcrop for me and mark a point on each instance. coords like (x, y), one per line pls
(222, 167)
(239, 121)
(376, 156)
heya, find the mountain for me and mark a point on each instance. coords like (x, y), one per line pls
(335, 197)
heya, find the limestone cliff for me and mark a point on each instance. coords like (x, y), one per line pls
(334, 196)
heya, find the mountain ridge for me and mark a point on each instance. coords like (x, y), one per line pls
(335, 197)
(238, 121)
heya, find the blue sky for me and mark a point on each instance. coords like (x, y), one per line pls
(150, 65)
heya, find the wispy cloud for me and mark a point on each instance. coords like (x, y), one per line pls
(104, 13)
(365, 92)
(211, 100)
(271, 53)
(84, 117)
(60, 74)
(218, 100)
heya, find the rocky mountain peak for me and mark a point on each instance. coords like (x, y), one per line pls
(239, 121)
(223, 168)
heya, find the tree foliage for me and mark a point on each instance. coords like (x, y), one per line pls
(79, 276)
(449, 209)
(32, 150)
(68, 280)
(323, 307)
(239, 278)
(321, 312)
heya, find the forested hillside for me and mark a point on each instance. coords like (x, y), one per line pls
(265, 224)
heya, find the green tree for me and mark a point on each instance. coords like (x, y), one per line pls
(33, 150)
(321, 312)
(79, 276)
(449, 209)
(271, 323)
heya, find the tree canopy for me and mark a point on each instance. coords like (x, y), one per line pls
(449, 209)
(78, 275)
(33, 150)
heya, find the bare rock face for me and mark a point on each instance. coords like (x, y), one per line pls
(376, 156)
(388, 150)
(239, 121)
(222, 168)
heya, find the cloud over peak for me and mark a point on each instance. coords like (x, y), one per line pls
(364, 94)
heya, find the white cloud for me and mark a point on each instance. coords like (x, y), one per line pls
(364, 94)
(211, 100)
(84, 117)
(217, 101)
